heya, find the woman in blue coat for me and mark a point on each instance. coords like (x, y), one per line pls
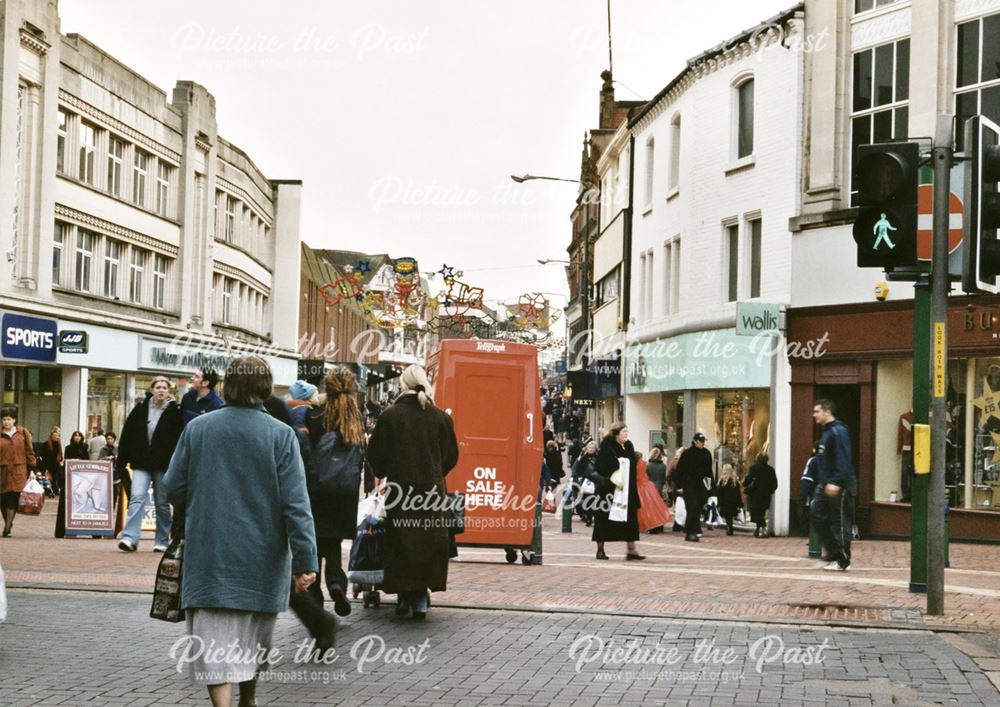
(248, 529)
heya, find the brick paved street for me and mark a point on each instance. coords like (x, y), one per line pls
(77, 647)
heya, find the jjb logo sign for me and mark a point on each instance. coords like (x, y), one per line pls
(73, 342)
(753, 318)
(28, 338)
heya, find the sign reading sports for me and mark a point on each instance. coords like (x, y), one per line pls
(28, 338)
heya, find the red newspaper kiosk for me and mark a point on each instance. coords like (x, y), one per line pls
(490, 389)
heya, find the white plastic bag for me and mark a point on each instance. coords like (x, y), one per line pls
(3, 598)
(619, 506)
(587, 487)
(680, 511)
(371, 505)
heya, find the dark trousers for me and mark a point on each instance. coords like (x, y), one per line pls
(833, 519)
(906, 474)
(308, 605)
(692, 504)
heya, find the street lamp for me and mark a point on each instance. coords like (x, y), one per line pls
(546, 261)
(528, 177)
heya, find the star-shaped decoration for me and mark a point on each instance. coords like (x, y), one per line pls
(360, 297)
(348, 269)
(434, 303)
(996, 445)
(364, 266)
(447, 272)
(989, 402)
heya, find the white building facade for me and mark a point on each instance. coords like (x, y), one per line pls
(717, 157)
(136, 241)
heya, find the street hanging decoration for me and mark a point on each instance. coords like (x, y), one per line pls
(393, 296)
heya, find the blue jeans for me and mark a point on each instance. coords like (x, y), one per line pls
(137, 500)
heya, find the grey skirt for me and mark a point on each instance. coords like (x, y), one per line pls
(227, 645)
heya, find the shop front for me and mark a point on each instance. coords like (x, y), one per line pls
(713, 382)
(869, 375)
(605, 386)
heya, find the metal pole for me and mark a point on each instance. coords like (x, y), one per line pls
(918, 484)
(942, 158)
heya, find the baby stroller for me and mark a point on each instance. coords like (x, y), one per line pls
(43, 478)
(365, 571)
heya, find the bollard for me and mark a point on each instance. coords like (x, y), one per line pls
(536, 540)
(567, 509)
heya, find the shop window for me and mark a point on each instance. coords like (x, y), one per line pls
(741, 426)
(977, 78)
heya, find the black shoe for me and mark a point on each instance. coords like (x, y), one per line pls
(6, 533)
(634, 556)
(756, 532)
(601, 555)
(327, 635)
(402, 607)
(340, 603)
(419, 615)
(691, 538)
(729, 531)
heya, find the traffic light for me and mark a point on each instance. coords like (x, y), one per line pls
(980, 247)
(885, 230)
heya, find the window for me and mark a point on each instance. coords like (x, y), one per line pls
(865, 5)
(650, 162)
(88, 149)
(755, 255)
(61, 141)
(159, 281)
(112, 259)
(136, 268)
(84, 256)
(732, 261)
(140, 167)
(116, 151)
(227, 300)
(744, 119)
(977, 81)
(675, 277)
(879, 110)
(673, 178)
(58, 240)
(230, 219)
(162, 187)
(607, 288)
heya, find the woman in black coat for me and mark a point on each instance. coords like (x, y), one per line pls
(76, 449)
(413, 448)
(728, 491)
(335, 517)
(50, 459)
(615, 446)
(760, 484)
(554, 460)
(585, 469)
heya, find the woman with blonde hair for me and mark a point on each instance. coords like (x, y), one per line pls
(730, 500)
(334, 516)
(413, 447)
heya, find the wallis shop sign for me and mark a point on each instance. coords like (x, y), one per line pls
(754, 318)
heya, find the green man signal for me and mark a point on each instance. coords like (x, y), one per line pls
(885, 176)
(881, 229)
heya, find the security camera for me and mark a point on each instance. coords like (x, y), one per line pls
(881, 291)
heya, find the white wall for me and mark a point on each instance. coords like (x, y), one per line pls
(893, 397)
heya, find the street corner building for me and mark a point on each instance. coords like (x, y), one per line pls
(136, 240)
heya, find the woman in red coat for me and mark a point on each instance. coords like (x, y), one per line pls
(16, 457)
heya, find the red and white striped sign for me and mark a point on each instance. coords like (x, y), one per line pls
(925, 221)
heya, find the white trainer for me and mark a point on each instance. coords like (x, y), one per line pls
(835, 567)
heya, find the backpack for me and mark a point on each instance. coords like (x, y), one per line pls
(332, 469)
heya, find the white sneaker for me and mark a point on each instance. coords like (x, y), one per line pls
(126, 545)
(159, 548)
(834, 567)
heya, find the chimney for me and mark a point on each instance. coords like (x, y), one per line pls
(607, 116)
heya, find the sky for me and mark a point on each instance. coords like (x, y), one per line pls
(405, 119)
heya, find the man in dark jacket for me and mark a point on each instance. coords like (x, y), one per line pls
(693, 469)
(146, 445)
(201, 397)
(836, 485)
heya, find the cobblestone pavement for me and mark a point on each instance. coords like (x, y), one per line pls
(721, 577)
(79, 647)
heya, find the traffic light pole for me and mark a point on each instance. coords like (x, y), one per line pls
(918, 485)
(942, 156)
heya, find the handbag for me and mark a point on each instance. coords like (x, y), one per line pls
(587, 487)
(619, 506)
(456, 512)
(167, 590)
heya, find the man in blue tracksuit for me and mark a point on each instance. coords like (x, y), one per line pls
(832, 509)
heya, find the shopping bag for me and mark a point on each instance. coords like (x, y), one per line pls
(31, 499)
(620, 477)
(372, 506)
(167, 589)
(680, 511)
(587, 487)
(365, 566)
(619, 506)
(549, 502)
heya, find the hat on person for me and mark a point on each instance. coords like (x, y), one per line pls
(301, 390)
(698, 437)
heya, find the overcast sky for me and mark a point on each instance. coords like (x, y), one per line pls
(404, 119)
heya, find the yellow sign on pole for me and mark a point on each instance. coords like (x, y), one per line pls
(922, 449)
(939, 360)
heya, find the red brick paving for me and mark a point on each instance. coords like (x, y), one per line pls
(721, 577)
